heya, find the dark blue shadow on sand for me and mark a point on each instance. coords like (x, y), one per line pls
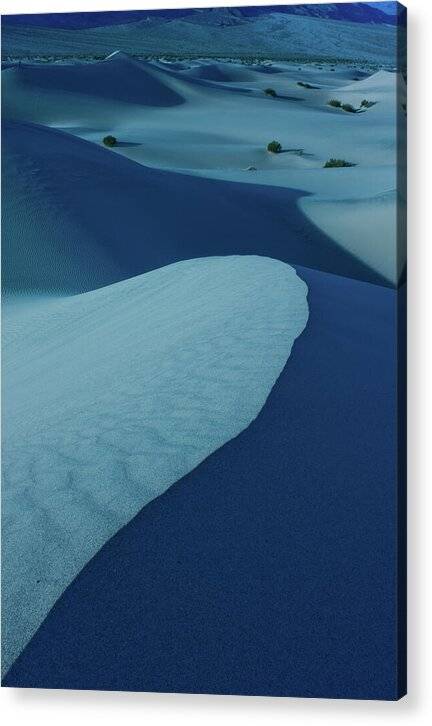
(118, 79)
(158, 217)
(271, 568)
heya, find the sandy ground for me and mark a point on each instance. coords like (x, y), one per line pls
(273, 564)
(190, 177)
(113, 395)
(213, 120)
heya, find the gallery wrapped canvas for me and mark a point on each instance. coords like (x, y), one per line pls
(204, 276)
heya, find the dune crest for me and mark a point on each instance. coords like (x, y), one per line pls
(118, 78)
(375, 244)
(68, 202)
(114, 395)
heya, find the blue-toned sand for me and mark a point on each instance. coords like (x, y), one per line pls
(271, 568)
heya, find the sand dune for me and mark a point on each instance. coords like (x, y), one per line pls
(114, 395)
(118, 79)
(152, 295)
(381, 82)
(212, 128)
(383, 88)
(229, 72)
(72, 202)
(377, 241)
(76, 199)
(217, 532)
(210, 72)
(48, 243)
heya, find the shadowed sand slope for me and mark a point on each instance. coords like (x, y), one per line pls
(118, 78)
(89, 217)
(211, 72)
(213, 120)
(144, 328)
(377, 241)
(114, 395)
(272, 565)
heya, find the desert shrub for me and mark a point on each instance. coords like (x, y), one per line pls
(110, 140)
(336, 163)
(367, 104)
(274, 146)
(334, 102)
(270, 92)
(348, 107)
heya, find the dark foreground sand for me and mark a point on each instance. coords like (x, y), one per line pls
(272, 564)
(259, 573)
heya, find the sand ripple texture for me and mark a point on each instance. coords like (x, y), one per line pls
(115, 394)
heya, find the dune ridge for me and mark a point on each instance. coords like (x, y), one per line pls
(115, 394)
(118, 78)
(214, 121)
(270, 539)
(151, 294)
(95, 190)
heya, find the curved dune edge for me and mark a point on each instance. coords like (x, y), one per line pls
(203, 576)
(375, 244)
(165, 117)
(118, 79)
(114, 395)
(65, 234)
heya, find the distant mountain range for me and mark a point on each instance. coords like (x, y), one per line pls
(386, 13)
(349, 31)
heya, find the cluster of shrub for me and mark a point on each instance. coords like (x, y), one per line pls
(337, 163)
(306, 85)
(275, 147)
(272, 92)
(109, 140)
(348, 106)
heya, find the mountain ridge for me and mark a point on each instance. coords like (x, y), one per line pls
(348, 12)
